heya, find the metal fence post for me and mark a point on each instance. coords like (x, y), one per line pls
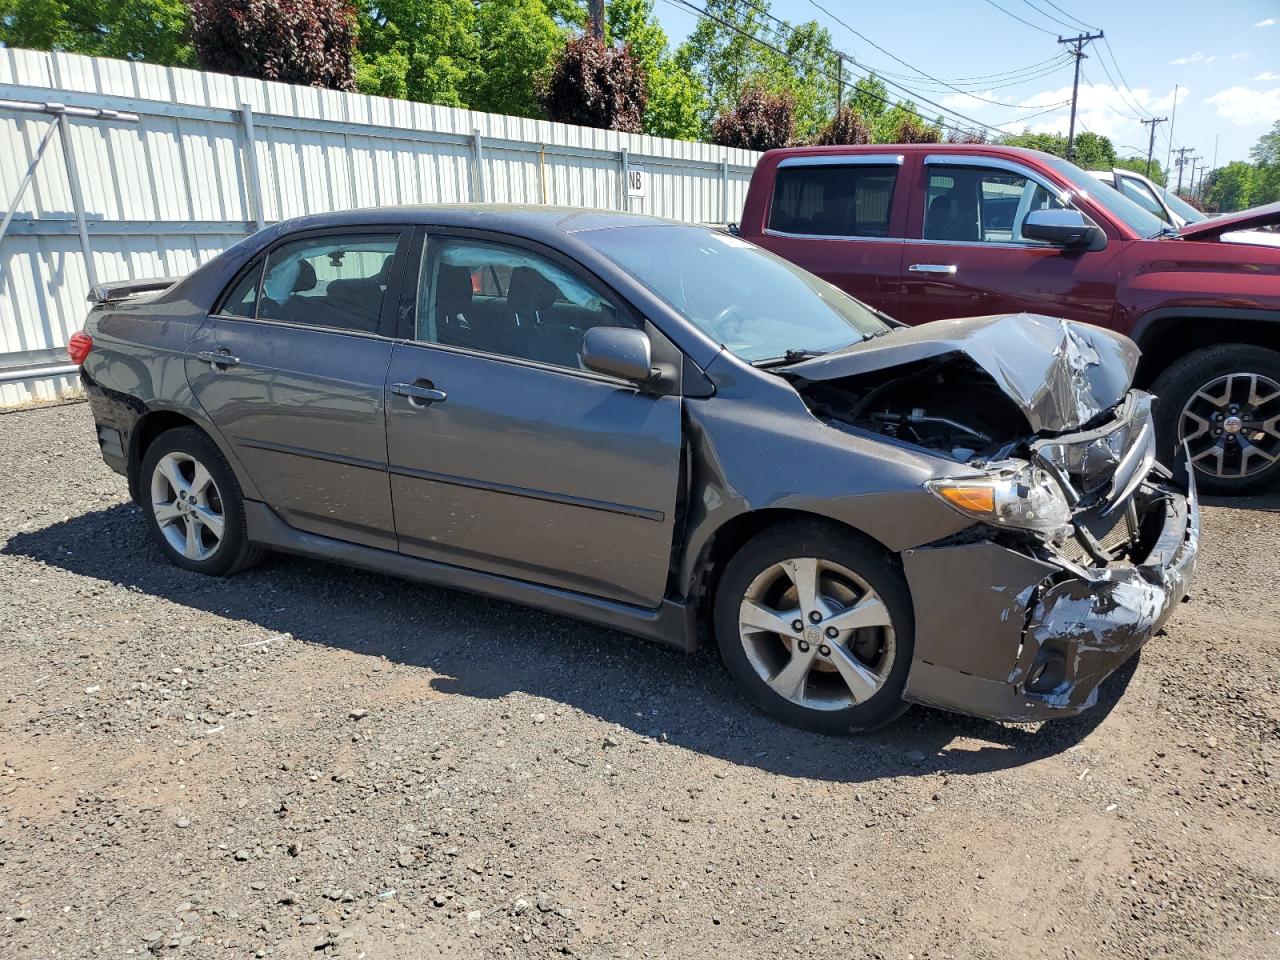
(77, 199)
(251, 165)
(624, 201)
(31, 170)
(724, 190)
(479, 162)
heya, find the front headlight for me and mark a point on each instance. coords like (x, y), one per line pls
(1013, 493)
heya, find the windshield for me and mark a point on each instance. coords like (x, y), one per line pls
(1142, 222)
(1186, 211)
(755, 304)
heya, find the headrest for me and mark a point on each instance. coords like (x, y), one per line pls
(453, 289)
(306, 277)
(530, 290)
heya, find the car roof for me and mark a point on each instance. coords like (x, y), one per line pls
(521, 219)
(973, 149)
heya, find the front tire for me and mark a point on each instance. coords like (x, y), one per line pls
(193, 504)
(815, 625)
(1224, 403)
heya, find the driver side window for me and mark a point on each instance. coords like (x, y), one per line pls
(508, 301)
(981, 205)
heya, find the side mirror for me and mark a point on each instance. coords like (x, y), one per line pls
(619, 352)
(1063, 228)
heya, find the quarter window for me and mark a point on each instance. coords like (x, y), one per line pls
(337, 281)
(833, 201)
(981, 205)
(507, 301)
(242, 301)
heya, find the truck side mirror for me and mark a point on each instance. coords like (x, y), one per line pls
(1069, 229)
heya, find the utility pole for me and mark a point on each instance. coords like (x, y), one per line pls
(595, 10)
(1151, 143)
(1173, 118)
(1181, 161)
(1191, 184)
(1077, 52)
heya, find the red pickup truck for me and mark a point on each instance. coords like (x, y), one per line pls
(931, 231)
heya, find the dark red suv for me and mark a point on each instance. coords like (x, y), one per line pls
(930, 231)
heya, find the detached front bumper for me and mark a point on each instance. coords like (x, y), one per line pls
(1003, 634)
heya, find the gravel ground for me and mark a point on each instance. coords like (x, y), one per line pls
(311, 760)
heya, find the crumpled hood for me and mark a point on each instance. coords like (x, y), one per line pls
(1060, 373)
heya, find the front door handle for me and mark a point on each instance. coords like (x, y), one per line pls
(219, 358)
(419, 396)
(945, 268)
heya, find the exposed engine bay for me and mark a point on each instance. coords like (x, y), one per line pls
(947, 405)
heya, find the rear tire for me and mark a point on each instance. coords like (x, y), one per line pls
(1225, 402)
(815, 625)
(193, 504)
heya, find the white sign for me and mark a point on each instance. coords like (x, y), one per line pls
(637, 182)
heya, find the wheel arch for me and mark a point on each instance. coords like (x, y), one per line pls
(736, 532)
(156, 421)
(1168, 334)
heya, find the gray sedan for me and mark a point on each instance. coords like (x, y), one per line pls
(663, 429)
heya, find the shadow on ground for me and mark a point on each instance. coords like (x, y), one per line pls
(486, 648)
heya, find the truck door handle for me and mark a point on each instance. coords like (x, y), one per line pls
(219, 358)
(419, 396)
(946, 268)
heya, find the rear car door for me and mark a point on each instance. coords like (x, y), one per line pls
(505, 454)
(290, 367)
(841, 217)
(966, 255)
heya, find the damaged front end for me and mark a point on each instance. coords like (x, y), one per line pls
(1083, 543)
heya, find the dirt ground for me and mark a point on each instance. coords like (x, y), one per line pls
(307, 760)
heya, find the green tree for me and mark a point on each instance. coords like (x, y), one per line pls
(156, 31)
(675, 96)
(416, 49)
(1266, 174)
(901, 123)
(870, 98)
(1230, 188)
(516, 42)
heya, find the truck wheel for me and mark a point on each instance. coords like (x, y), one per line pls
(1224, 403)
(815, 625)
(193, 504)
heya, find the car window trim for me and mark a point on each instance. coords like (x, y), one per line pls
(387, 320)
(839, 160)
(992, 163)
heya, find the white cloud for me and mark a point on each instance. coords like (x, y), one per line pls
(1196, 57)
(1240, 56)
(1246, 108)
(1267, 75)
(1269, 22)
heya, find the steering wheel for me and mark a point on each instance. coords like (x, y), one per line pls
(722, 318)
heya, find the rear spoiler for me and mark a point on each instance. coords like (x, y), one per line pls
(127, 289)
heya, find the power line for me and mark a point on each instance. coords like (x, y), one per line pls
(990, 84)
(1070, 16)
(910, 66)
(703, 13)
(1050, 16)
(1020, 19)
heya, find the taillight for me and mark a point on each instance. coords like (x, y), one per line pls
(78, 347)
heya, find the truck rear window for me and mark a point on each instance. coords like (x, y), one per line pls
(833, 201)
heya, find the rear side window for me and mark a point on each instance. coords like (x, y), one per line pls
(242, 300)
(337, 280)
(833, 201)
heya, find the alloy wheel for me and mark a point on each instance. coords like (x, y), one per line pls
(817, 634)
(1231, 425)
(187, 505)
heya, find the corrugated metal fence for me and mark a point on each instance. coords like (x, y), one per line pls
(208, 158)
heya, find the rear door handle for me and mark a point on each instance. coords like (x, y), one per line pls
(219, 358)
(419, 396)
(945, 268)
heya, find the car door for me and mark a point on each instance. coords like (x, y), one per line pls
(505, 454)
(966, 255)
(290, 368)
(841, 217)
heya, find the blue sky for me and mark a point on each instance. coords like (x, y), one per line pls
(1224, 57)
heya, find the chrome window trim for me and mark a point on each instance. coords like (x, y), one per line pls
(997, 163)
(830, 236)
(844, 160)
(1019, 244)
